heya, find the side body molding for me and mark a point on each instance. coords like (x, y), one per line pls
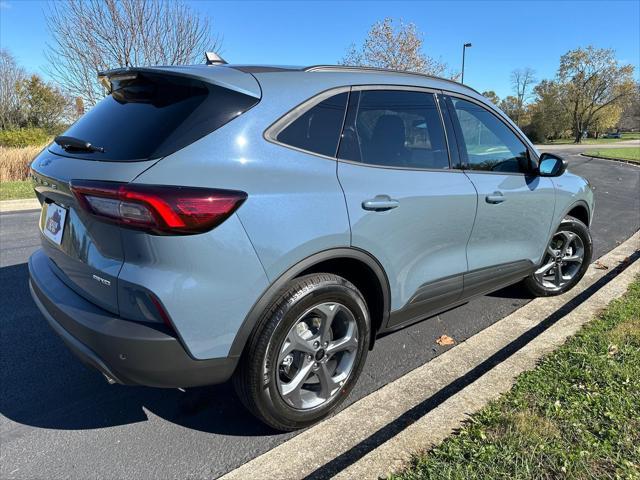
(252, 319)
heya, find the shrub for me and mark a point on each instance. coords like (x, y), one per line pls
(23, 137)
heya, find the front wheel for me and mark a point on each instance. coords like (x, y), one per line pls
(565, 261)
(306, 354)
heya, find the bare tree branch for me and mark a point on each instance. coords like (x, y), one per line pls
(11, 75)
(397, 46)
(94, 35)
(522, 81)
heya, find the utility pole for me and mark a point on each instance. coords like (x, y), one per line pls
(464, 47)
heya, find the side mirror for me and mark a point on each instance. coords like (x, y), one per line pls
(551, 165)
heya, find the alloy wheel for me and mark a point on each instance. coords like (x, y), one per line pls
(317, 355)
(562, 261)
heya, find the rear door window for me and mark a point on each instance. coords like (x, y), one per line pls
(318, 129)
(154, 115)
(395, 128)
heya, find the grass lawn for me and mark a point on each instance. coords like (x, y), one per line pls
(628, 153)
(15, 190)
(576, 416)
(594, 141)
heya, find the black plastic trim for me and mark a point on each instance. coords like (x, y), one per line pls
(430, 297)
(444, 294)
(485, 280)
(130, 353)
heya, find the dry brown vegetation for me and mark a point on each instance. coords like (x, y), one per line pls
(14, 162)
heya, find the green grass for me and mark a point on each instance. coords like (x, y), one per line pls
(628, 153)
(15, 190)
(594, 141)
(576, 416)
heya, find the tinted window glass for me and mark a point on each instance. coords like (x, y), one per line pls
(489, 144)
(318, 129)
(396, 128)
(153, 116)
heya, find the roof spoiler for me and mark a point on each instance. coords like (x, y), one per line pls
(224, 77)
(105, 78)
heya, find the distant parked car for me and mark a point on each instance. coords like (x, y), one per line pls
(613, 135)
(267, 224)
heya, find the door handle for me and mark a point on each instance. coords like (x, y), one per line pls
(495, 197)
(380, 203)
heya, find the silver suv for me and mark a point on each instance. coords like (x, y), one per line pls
(266, 224)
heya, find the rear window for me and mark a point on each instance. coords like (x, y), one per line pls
(318, 129)
(152, 116)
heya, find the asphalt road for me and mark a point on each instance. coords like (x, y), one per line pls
(59, 419)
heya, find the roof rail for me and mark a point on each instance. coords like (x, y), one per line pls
(351, 68)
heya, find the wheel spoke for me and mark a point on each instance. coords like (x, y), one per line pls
(328, 384)
(558, 275)
(295, 343)
(291, 391)
(573, 258)
(568, 239)
(328, 311)
(348, 342)
(545, 268)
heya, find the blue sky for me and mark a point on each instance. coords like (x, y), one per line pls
(505, 34)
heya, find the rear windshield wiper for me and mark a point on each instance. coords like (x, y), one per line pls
(73, 143)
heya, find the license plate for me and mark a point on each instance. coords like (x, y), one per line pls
(54, 223)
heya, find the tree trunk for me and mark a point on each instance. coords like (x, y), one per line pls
(578, 137)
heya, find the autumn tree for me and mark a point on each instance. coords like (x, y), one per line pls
(550, 118)
(94, 35)
(11, 74)
(630, 118)
(42, 105)
(593, 81)
(394, 45)
(522, 80)
(509, 105)
(492, 97)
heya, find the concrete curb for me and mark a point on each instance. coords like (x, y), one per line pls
(619, 160)
(19, 205)
(379, 433)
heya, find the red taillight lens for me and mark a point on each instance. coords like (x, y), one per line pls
(160, 209)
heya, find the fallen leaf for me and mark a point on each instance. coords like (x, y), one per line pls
(600, 266)
(613, 349)
(445, 340)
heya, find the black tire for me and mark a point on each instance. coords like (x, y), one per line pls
(575, 226)
(255, 378)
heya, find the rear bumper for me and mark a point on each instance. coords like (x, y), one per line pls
(128, 352)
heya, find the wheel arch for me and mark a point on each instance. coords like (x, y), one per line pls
(357, 266)
(579, 210)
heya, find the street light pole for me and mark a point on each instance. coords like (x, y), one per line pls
(464, 47)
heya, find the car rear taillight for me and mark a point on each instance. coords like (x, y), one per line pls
(159, 209)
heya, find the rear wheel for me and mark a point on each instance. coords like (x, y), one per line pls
(306, 353)
(565, 261)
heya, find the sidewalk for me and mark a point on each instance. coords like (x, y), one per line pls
(19, 205)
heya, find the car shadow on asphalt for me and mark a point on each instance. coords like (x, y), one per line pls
(43, 385)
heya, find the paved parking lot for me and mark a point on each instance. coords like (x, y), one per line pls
(59, 419)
